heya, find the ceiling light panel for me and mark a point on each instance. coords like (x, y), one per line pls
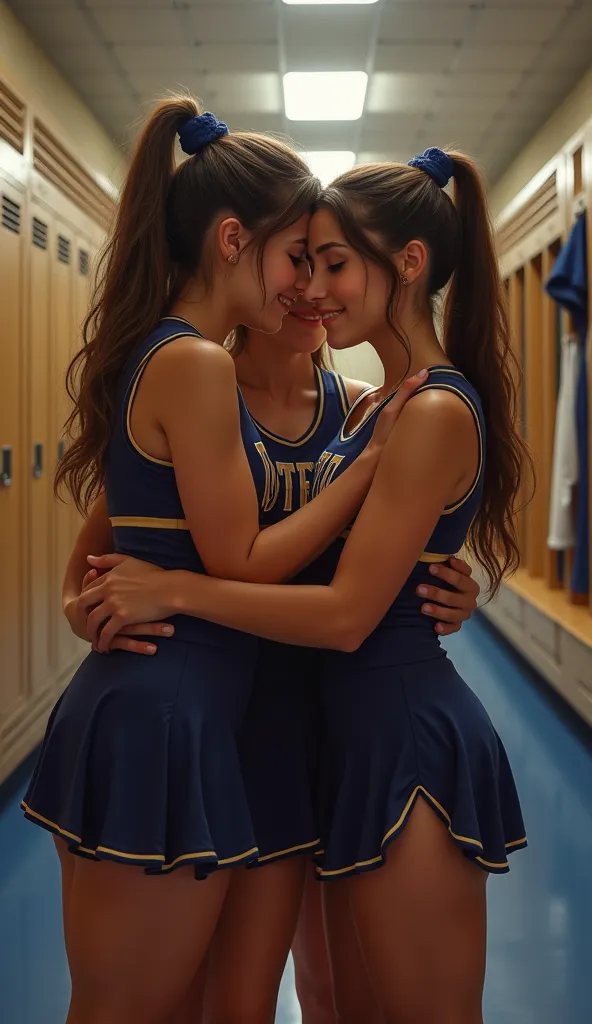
(325, 95)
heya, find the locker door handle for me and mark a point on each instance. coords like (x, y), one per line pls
(37, 460)
(6, 466)
(61, 449)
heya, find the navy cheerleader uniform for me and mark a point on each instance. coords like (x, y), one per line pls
(401, 723)
(280, 738)
(140, 762)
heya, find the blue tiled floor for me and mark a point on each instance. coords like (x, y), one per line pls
(540, 916)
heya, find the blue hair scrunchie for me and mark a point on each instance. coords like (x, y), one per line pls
(436, 163)
(198, 132)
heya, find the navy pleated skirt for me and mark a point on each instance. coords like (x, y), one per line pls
(278, 746)
(140, 759)
(399, 733)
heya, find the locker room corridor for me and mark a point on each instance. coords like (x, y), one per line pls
(540, 942)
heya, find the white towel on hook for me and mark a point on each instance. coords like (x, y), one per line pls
(562, 534)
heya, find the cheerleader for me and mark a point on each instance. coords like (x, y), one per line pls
(419, 804)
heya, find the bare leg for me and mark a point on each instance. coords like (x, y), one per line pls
(311, 958)
(67, 865)
(421, 920)
(252, 942)
(136, 941)
(355, 1001)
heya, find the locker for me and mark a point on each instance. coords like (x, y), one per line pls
(12, 463)
(62, 331)
(39, 450)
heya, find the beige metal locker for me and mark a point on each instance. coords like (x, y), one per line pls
(41, 242)
(12, 463)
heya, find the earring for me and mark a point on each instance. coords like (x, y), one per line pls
(232, 258)
(404, 280)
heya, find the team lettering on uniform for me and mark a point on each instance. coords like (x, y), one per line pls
(296, 477)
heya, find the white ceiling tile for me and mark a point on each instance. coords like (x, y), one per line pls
(497, 56)
(320, 38)
(58, 26)
(423, 22)
(252, 92)
(532, 5)
(401, 92)
(471, 106)
(541, 84)
(136, 4)
(72, 60)
(323, 134)
(246, 57)
(149, 59)
(480, 84)
(559, 55)
(99, 85)
(430, 57)
(577, 27)
(158, 58)
(123, 25)
(232, 23)
(519, 25)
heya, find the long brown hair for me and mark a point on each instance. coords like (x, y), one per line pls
(239, 339)
(381, 208)
(157, 245)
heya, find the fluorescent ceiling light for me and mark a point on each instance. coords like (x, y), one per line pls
(324, 2)
(325, 95)
(329, 164)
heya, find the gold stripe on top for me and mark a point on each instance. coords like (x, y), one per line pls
(364, 394)
(469, 404)
(314, 425)
(430, 556)
(342, 392)
(146, 522)
(136, 380)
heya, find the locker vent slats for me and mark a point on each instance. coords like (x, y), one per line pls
(63, 249)
(11, 215)
(39, 233)
(12, 118)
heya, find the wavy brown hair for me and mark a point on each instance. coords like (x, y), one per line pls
(383, 207)
(157, 245)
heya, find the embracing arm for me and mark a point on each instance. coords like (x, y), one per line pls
(95, 535)
(415, 480)
(194, 392)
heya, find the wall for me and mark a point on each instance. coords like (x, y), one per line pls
(563, 123)
(360, 363)
(24, 65)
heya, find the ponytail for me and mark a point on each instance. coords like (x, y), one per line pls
(477, 340)
(130, 295)
(157, 245)
(381, 208)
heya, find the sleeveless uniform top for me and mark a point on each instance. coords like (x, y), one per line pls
(290, 464)
(405, 634)
(143, 501)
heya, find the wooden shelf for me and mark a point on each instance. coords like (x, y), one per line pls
(555, 604)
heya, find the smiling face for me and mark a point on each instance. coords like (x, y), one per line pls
(263, 308)
(350, 293)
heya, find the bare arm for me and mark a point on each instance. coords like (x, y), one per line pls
(95, 535)
(415, 480)
(192, 388)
